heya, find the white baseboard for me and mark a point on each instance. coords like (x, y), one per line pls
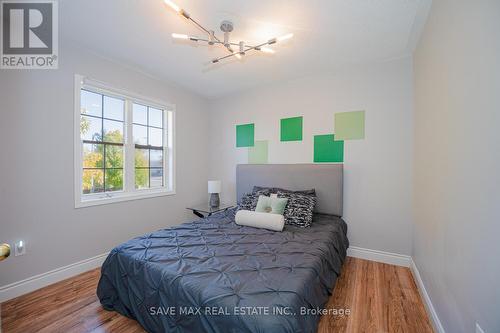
(42, 280)
(438, 327)
(379, 256)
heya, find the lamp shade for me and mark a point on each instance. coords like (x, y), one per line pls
(214, 186)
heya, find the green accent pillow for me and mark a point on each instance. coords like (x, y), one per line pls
(271, 205)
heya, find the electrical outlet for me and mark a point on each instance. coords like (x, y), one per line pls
(20, 248)
(478, 328)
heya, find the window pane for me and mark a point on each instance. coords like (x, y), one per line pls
(140, 135)
(140, 114)
(114, 157)
(155, 117)
(141, 178)
(156, 178)
(90, 128)
(91, 103)
(92, 155)
(113, 131)
(93, 181)
(156, 158)
(141, 158)
(155, 137)
(113, 108)
(114, 180)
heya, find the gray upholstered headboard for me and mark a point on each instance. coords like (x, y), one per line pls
(327, 179)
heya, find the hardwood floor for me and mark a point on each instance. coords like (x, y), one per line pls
(380, 297)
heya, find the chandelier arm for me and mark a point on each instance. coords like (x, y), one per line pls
(237, 44)
(250, 48)
(256, 47)
(198, 39)
(224, 57)
(199, 25)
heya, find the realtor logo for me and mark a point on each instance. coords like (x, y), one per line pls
(29, 38)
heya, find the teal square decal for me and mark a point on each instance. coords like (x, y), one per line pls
(245, 135)
(291, 129)
(327, 150)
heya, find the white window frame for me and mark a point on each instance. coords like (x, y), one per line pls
(129, 191)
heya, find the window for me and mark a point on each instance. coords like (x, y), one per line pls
(124, 145)
(101, 131)
(148, 140)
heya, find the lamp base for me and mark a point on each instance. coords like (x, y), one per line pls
(214, 200)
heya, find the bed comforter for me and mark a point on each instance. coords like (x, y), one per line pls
(212, 275)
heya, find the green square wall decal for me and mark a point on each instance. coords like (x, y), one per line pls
(350, 125)
(327, 150)
(245, 135)
(291, 129)
(258, 154)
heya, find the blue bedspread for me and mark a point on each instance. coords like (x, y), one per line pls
(212, 275)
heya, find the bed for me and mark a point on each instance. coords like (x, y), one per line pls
(212, 275)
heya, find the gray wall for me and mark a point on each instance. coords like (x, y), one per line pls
(377, 170)
(457, 162)
(36, 168)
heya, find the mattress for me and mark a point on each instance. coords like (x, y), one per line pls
(212, 275)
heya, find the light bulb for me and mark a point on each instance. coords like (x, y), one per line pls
(180, 36)
(237, 55)
(267, 50)
(285, 37)
(172, 5)
(242, 48)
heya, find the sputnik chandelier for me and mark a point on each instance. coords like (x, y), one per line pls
(226, 27)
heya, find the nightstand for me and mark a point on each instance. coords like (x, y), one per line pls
(205, 210)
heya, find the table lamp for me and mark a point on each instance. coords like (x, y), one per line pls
(214, 187)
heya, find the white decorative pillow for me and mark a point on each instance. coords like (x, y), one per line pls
(273, 205)
(268, 221)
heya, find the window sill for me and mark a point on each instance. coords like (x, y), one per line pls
(121, 197)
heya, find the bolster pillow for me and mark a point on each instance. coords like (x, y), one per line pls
(269, 221)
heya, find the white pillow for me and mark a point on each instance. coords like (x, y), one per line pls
(269, 221)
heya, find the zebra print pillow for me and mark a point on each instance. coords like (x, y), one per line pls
(299, 209)
(249, 200)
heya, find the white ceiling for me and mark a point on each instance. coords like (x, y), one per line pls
(328, 34)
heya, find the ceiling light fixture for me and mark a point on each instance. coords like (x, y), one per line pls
(226, 27)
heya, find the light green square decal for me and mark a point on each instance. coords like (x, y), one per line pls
(258, 154)
(291, 129)
(327, 150)
(245, 135)
(350, 125)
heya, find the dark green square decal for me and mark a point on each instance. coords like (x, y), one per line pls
(245, 135)
(291, 129)
(327, 150)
